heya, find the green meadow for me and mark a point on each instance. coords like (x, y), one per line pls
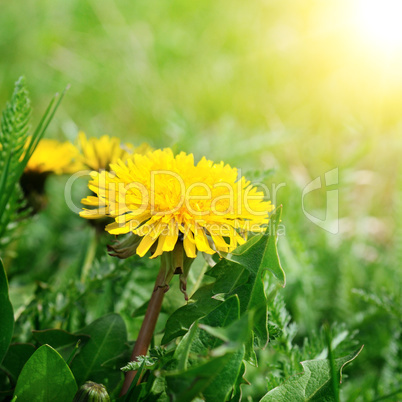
(288, 92)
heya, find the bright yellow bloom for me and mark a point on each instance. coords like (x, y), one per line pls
(165, 199)
(99, 153)
(52, 156)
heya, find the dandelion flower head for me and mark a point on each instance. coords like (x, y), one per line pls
(99, 153)
(52, 156)
(165, 199)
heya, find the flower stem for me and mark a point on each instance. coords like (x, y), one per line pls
(146, 331)
(171, 263)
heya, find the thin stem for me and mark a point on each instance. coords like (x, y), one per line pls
(89, 257)
(171, 262)
(74, 352)
(146, 332)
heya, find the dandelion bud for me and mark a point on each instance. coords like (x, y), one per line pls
(91, 392)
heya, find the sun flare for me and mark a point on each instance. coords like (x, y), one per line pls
(380, 21)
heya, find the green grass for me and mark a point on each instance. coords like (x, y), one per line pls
(259, 85)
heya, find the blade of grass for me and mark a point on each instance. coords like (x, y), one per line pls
(334, 373)
(3, 180)
(36, 137)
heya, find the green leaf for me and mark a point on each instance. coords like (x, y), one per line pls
(45, 377)
(214, 349)
(63, 341)
(182, 351)
(233, 336)
(228, 277)
(198, 341)
(108, 336)
(57, 338)
(149, 362)
(6, 314)
(261, 252)
(15, 359)
(220, 320)
(213, 379)
(257, 256)
(314, 384)
(236, 395)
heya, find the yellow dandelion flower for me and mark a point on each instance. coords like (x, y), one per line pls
(99, 153)
(52, 156)
(165, 200)
(49, 157)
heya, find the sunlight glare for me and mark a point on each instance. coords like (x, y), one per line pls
(381, 22)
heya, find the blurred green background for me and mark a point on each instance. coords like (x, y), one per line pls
(299, 87)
